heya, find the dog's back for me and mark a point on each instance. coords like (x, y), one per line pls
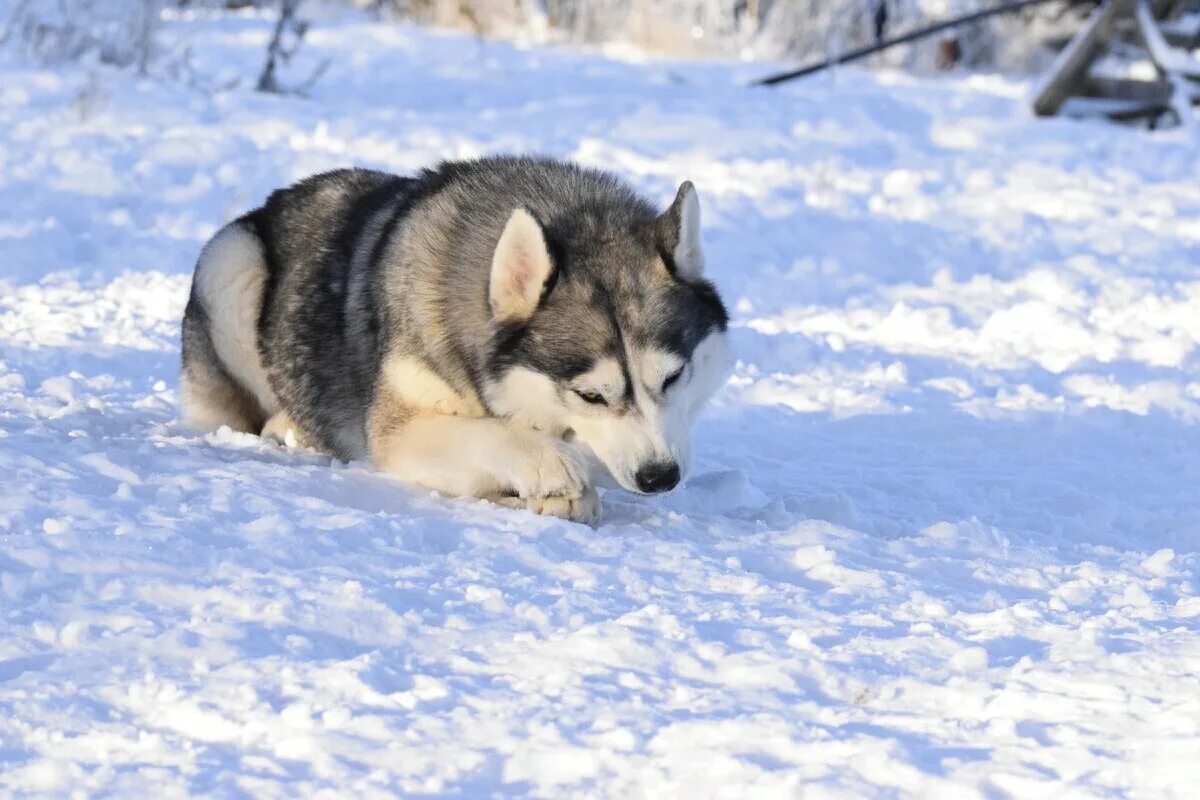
(268, 297)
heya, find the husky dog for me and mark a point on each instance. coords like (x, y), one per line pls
(489, 328)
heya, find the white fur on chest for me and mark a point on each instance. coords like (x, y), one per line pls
(421, 390)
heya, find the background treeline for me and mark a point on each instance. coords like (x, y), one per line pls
(122, 32)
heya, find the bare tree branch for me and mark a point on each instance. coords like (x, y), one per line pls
(279, 51)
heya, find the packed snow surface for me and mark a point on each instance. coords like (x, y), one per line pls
(943, 538)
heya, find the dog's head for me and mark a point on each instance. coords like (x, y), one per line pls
(605, 330)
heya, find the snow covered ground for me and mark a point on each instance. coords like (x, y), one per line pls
(943, 539)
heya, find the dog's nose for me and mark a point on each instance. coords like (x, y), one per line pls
(659, 477)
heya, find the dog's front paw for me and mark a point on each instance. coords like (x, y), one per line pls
(585, 508)
(548, 468)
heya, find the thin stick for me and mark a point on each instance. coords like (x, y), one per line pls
(267, 81)
(863, 52)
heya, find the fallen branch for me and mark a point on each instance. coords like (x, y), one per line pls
(1070, 68)
(911, 36)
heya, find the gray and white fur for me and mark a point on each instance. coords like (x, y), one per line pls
(492, 328)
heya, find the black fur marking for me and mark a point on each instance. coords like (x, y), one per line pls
(320, 365)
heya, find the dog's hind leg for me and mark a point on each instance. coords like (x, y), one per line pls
(223, 381)
(209, 397)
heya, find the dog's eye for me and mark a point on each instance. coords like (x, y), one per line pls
(595, 398)
(672, 379)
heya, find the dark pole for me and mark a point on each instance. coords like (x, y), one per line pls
(863, 52)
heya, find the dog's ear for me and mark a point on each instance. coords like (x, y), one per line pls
(521, 268)
(678, 231)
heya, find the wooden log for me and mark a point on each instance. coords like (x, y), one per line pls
(1117, 110)
(1182, 32)
(1166, 58)
(1163, 8)
(1070, 69)
(1126, 89)
(1182, 100)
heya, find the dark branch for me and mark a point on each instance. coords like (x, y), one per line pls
(863, 52)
